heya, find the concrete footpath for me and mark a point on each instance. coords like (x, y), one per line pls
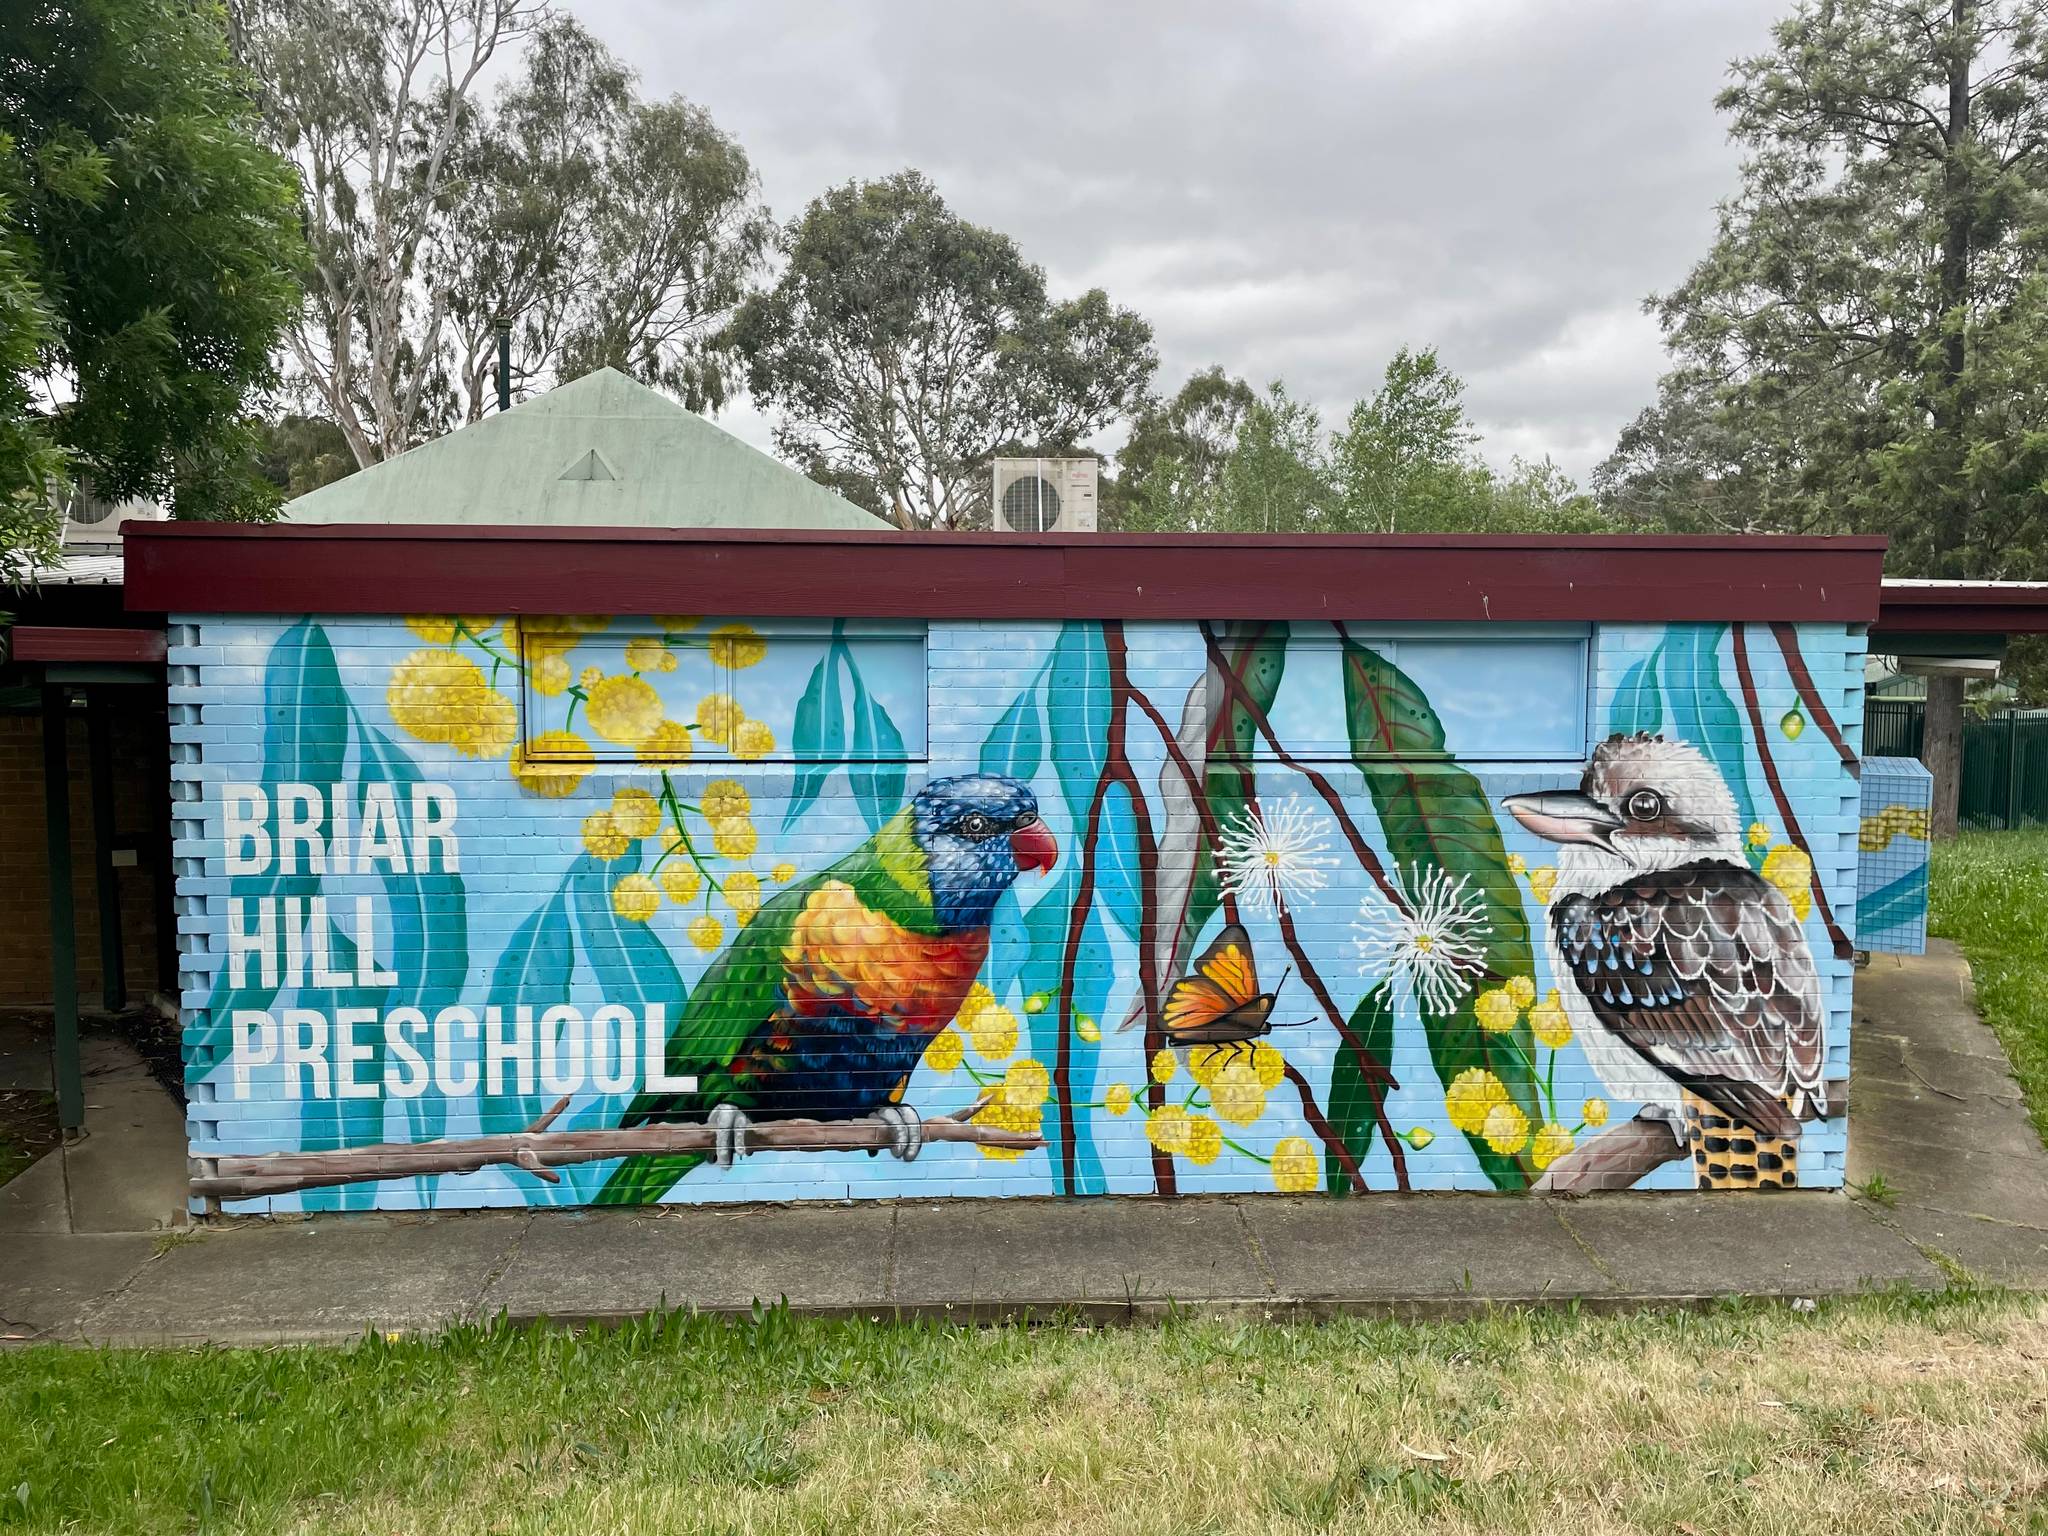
(1935, 1112)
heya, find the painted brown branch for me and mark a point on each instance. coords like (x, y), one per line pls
(540, 1152)
(1325, 1132)
(1116, 763)
(1844, 950)
(1367, 859)
(1795, 664)
(1615, 1159)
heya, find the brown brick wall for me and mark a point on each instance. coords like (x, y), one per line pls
(24, 886)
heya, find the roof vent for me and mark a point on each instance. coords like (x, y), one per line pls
(589, 466)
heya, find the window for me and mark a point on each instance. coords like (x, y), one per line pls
(1500, 694)
(674, 690)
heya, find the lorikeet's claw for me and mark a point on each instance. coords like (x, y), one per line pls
(906, 1130)
(728, 1133)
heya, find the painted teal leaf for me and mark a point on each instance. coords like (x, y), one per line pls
(334, 1122)
(1434, 813)
(877, 780)
(533, 970)
(1703, 713)
(1016, 746)
(1045, 926)
(1355, 1097)
(305, 741)
(1638, 706)
(1077, 711)
(818, 736)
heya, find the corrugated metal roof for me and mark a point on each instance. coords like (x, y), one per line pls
(79, 568)
(604, 452)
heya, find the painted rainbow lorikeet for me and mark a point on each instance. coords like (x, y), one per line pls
(824, 1003)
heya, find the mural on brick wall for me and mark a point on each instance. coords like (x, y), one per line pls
(622, 911)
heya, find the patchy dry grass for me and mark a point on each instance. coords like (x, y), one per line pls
(1877, 1416)
(1991, 896)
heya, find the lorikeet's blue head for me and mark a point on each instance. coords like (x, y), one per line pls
(977, 831)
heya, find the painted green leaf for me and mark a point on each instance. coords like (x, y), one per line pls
(1354, 1098)
(533, 970)
(818, 735)
(1256, 654)
(1703, 713)
(1077, 713)
(335, 1121)
(1016, 746)
(1435, 814)
(1638, 705)
(877, 781)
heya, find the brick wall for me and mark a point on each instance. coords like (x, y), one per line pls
(644, 820)
(24, 885)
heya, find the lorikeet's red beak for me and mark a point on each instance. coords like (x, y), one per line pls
(1034, 847)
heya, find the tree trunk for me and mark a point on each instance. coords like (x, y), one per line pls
(1941, 749)
(1952, 408)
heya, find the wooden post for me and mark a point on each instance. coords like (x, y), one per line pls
(1941, 749)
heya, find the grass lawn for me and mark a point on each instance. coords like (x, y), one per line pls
(1991, 897)
(1889, 1414)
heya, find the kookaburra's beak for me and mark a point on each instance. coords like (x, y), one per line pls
(1565, 816)
(1034, 848)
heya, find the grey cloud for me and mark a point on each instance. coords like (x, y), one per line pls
(1290, 190)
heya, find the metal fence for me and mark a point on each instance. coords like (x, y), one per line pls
(2005, 758)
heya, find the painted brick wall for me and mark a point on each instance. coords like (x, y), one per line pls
(731, 891)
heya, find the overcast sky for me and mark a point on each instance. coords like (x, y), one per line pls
(1291, 190)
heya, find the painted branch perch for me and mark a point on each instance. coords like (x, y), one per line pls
(1614, 1159)
(540, 1151)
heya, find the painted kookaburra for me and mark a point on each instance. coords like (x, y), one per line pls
(1686, 976)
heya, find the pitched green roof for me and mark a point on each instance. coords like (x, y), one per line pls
(603, 451)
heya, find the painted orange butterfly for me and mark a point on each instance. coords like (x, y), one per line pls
(1220, 1003)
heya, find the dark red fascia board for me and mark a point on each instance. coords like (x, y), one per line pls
(1963, 608)
(42, 642)
(383, 568)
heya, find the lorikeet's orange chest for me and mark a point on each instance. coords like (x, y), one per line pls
(843, 956)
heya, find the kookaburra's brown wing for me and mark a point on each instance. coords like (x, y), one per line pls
(1705, 971)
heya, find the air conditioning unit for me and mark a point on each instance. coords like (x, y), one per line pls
(94, 522)
(1045, 495)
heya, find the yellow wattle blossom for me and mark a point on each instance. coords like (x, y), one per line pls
(1169, 1128)
(675, 623)
(1205, 1140)
(736, 645)
(1164, 1065)
(668, 742)
(1552, 1142)
(946, 1052)
(1471, 1096)
(680, 882)
(1005, 1116)
(1543, 881)
(752, 740)
(635, 898)
(718, 716)
(725, 797)
(1594, 1112)
(624, 709)
(735, 836)
(1086, 1028)
(1118, 1100)
(1495, 1010)
(1236, 1094)
(1550, 1023)
(991, 1026)
(1296, 1168)
(1522, 989)
(1516, 864)
(549, 675)
(589, 678)
(535, 644)
(644, 653)
(1505, 1128)
(602, 837)
(782, 874)
(439, 629)
(565, 623)
(742, 892)
(706, 932)
(537, 775)
(636, 813)
(1791, 871)
(497, 727)
(442, 697)
(1027, 1084)
(1759, 835)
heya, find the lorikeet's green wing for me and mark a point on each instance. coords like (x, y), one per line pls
(744, 989)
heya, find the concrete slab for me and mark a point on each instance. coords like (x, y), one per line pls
(50, 1283)
(128, 1174)
(1041, 1254)
(1962, 1076)
(1899, 1112)
(322, 1279)
(1954, 1176)
(2000, 1253)
(1420, 1245)
(35, 1199)
(1756, 1244)
(603, 1264)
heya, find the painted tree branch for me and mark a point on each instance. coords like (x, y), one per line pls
(1844, 950)
(1795, 664)
(1325, 1132)
(1616, 1159)
(539, 1151)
